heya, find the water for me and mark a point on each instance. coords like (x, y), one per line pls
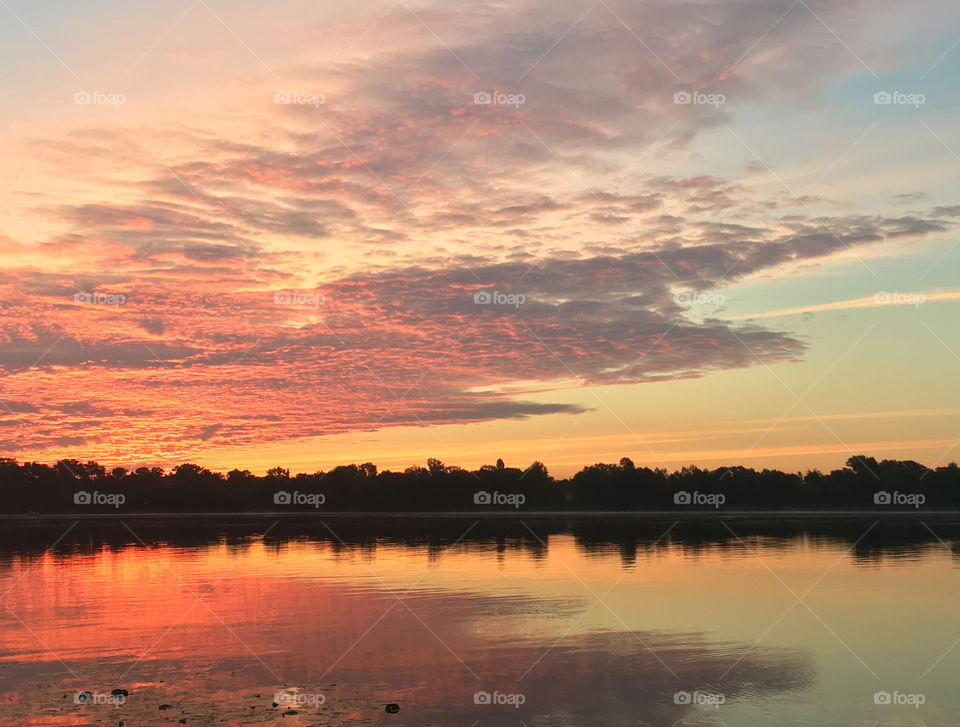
(563, 623)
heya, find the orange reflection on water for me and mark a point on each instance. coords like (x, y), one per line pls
(431, 624)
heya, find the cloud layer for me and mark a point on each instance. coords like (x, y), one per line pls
(244, 271)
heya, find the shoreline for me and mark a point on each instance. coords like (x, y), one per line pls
(528, 514)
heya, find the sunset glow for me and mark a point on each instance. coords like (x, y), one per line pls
(710, 233)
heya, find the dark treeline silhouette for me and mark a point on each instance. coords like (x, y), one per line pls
(75, 487)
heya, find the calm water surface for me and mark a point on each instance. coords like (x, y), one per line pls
(562, 626)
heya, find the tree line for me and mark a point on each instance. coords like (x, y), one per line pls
(74, 486)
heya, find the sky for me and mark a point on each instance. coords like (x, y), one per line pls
(311, 234)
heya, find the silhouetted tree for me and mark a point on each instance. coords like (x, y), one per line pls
(435, 466)
(38, 487)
